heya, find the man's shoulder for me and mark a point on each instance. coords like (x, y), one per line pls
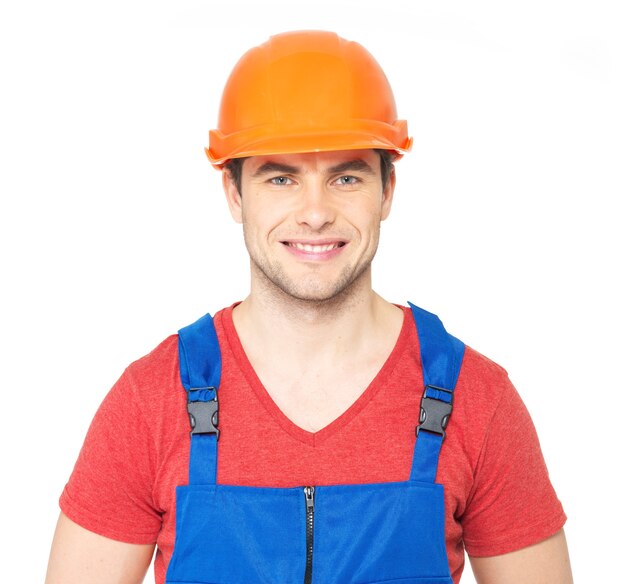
(483, 389)
(481, 378)
(161, 364)
(477, 365)
(163, 356)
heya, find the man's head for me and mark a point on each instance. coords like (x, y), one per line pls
(307, 136)
(311, 220)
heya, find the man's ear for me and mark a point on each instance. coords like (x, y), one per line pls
(233, 198)
(388, 194)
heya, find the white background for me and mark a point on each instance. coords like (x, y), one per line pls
(507, 220)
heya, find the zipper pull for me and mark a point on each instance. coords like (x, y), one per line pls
(309, 496)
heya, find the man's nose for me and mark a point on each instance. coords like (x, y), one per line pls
(316, 207)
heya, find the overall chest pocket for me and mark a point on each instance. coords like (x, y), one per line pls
(361, 534)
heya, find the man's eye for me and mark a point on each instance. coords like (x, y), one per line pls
(280, 180)
(347, 180)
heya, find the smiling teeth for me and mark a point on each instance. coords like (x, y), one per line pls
(314, 248)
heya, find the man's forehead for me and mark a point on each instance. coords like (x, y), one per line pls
(366, 160)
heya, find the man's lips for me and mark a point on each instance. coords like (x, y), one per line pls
(314, 248)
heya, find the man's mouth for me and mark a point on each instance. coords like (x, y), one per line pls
(320, 248)
(314, 247)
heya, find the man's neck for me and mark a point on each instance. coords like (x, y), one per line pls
(326, 331)
(316, 359)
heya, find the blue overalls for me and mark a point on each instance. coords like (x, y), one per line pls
(361, 534)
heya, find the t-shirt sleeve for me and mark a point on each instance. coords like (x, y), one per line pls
(512, 504)
(110, 489)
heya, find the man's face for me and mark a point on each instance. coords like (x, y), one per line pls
(311, 221)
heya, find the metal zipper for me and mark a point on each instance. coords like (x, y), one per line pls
(309, 500)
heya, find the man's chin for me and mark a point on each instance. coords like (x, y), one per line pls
(310, 289)
(316, 293)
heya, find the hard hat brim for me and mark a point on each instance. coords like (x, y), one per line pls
(393, 138)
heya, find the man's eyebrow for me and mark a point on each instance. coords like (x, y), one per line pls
(270, 167)
(358, 164)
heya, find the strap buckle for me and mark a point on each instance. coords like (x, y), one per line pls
(434, 411)
(203, 410)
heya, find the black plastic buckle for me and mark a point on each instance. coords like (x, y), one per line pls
(203, 415)
(434, 413)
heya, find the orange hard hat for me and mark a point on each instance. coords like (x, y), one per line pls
(306, 91)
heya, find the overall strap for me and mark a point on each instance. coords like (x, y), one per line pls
(200, 371)
(441, 356)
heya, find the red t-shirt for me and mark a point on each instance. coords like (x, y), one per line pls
(498, 496)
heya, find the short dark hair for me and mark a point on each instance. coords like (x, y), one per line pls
(386, 166)
(233, 168)
(234, 165)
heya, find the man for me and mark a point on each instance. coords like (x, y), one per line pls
(318, 381)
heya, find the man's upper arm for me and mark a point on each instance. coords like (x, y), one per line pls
(79, 556)
(546, 562)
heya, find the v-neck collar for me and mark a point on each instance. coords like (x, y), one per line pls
(261, 393)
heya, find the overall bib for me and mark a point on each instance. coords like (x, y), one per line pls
(357, 534)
